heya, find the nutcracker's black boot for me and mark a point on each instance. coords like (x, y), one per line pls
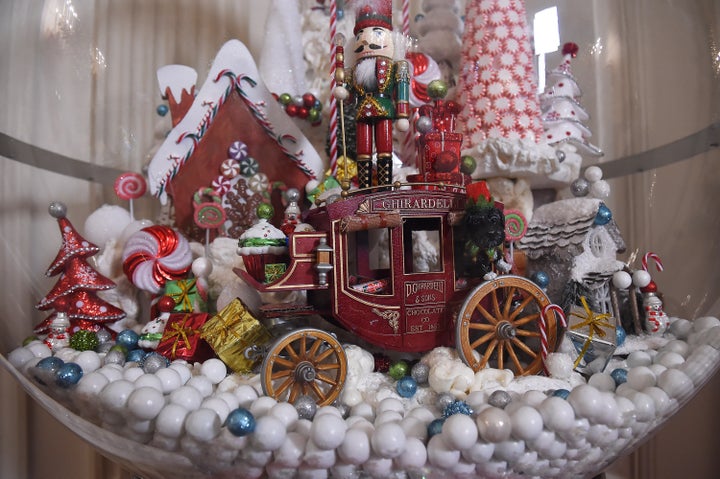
(384, 170)
(364, 169)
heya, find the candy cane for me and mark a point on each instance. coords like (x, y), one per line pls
(543, 329)
(406, 17)
(656, 258)
(333, 100)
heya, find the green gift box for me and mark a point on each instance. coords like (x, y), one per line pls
(274, 271)
(186, 295)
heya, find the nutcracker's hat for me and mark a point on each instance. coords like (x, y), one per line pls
(374, 13)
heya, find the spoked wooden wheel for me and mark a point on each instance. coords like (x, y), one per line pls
(305, 362)
(499, 325)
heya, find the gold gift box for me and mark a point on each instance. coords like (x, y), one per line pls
(231, 332)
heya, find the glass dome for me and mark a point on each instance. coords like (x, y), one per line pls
(80, 105)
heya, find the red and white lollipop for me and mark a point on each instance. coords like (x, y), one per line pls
(130, 186)
(155, 255)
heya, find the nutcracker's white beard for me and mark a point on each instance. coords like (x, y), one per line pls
(365, 74)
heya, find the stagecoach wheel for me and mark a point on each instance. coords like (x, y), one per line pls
(304, 362)
(499, 325)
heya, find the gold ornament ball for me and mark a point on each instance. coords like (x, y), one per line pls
(437, 89)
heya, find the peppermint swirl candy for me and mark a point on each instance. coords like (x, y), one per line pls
(221, 185)
(238, 150)
(230, 168)
(130, 186)
(208, 215)
(259, 183)
(155, 255)
(515, 225)
(249, 166)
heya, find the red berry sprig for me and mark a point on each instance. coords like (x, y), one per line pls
(306, 107)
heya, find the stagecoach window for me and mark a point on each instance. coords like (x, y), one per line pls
(368, 260)
(422, 244)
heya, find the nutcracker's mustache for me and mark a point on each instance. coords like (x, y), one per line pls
(371, 46)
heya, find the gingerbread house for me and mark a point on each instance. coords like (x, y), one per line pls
(233, 107)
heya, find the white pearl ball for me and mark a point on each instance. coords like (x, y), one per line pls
(378, 467)
(585, 400)
(269, 433)
(20, 356)
(640, 377)
(286, 413)
(218, 405)
(133, 372)
(675, 383)
(414, 427)
(290, 454)
(246, 395)
(388, 416)
(600, 189)
(202, 384)
(509, 451)
(182, 369)
(557, 414)
(479, 452)
(262, 406)
(171, 420)
(602, 381)
(388, 440)
(593, 173)
(40, 350)
(641, 278)
(203, 425)
(460, 431)
(145, 403)
(622, 279)
(494, 424)
(363, 409)
(202, 267)
(414, 457)
(440, 455)
(115, 395)
(663, 403)
(89, 361)
(214, 369)
(170, 379)
(328, 431)
(149, 380)
(92, 384)
(644, 407)
(355, 447)
(391, 404)
(638, 358)
(669, 359)
(112, 371)
(527, 423)
(187, 397)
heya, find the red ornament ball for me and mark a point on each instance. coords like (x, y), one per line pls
(303, 112)
(166, 304)
(308, 100)
(382, 363)
(446, 161)
(650, 288)
(570, 48)
(292, 109)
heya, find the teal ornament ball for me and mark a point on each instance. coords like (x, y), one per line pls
(240, 422)
(604, 215)
(68, 375)
(406, 387)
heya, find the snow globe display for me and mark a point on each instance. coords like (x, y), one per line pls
(432, 238)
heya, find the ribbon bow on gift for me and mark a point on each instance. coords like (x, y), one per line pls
(187, 288)
(179, 332)
(595, 323)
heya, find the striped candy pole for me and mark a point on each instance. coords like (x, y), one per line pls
(333, 84)
(543, 329)
(410, 137)
(654, 257)
(406, 17)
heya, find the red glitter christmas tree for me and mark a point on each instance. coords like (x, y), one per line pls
(75, 292)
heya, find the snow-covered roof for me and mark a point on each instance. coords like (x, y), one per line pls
(233, 69)
(563, 224)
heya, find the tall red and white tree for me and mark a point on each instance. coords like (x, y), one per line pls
(76, 291)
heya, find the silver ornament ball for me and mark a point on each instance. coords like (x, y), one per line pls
(305, 407)
(292, 194)
(499, 399)
(57, 209)
(444, 400)
(154, 362)
(423, 124)
(580, 187)
(103, 336)
(114, 357)
(420, 373)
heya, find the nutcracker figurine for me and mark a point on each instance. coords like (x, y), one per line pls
(381, 88)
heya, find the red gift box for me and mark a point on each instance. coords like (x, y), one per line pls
(181, 338)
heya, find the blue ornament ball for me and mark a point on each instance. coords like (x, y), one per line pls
(162, 110)
(46, 369)
(240, 422)
(127, 338)
(620, 335)
(457, 407)
(68, 375)
(406, 387)
(604, 215)
(561, 393)
(541, 278)
(435, 427)
(619, 375)
(136, 355)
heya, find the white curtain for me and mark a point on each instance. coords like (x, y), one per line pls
(79, 79)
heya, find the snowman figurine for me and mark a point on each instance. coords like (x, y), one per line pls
(656, 320)
(59, 335)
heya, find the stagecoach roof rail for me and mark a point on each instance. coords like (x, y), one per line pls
(395, 186)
